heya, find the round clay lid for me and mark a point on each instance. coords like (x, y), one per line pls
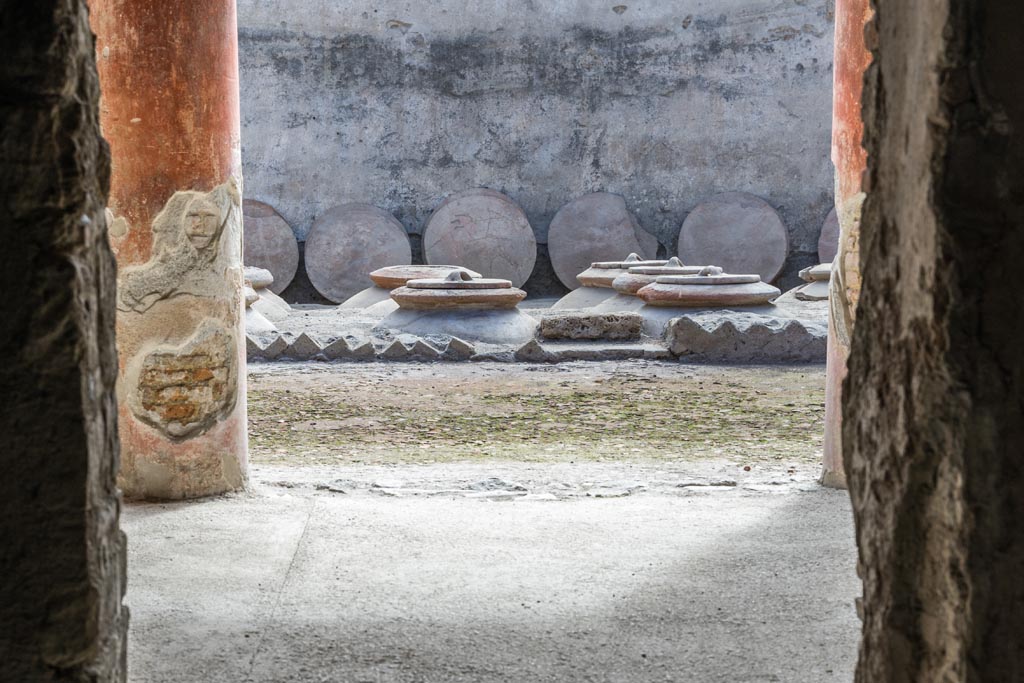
(594, 228)
(722, 279)
(349, 241)
(828, 242)
(738, 231)
(391, 277)
(483, 230)
(459, 280)
(269, 243)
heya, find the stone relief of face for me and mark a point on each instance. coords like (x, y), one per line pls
(203, 223)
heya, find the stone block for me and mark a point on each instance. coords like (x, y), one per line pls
(582, 325)
(458, 349)
(532, 352)
(304, 347)
(349, 348)
(409, 347)
(253, 351)
(731, 337)
(275, 347)
(256, 323)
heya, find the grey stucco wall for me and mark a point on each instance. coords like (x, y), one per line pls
(399, 103)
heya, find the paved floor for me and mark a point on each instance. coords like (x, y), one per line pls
(530, 574)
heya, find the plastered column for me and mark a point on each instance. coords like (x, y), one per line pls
(170, 111)
(851, 60)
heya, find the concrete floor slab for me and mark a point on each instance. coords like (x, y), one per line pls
(291, 583)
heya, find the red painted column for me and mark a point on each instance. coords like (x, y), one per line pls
(851, 60)
(170, 111)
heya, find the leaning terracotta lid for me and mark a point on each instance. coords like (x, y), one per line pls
(603, 273)
(392, 277)
(459, 280)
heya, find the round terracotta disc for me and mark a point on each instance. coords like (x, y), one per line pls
(347, 243)
(828, 243)
(483, 230)
(596, 227)
(392, 277)
(737, 231)
(270, 243)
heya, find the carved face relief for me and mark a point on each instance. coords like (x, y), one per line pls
(196, 251)
(202, 222)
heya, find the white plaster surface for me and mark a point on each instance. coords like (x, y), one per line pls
(422, 578)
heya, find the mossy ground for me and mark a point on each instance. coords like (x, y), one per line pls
(390, 413)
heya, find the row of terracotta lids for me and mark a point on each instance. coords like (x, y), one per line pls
(663, 283)
(673, 284)
(486, 230)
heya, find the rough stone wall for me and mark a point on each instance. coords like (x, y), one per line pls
(63, 560)
(399, 103)
(933, 427)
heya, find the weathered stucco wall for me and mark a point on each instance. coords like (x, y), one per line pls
(932, 408)
(399, 103)
(63, 558)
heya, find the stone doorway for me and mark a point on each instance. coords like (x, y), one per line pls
(930, 457)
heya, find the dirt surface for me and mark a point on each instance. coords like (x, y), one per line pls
(636, 411)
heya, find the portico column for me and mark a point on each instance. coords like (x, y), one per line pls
(170, 111)
(851, 60)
